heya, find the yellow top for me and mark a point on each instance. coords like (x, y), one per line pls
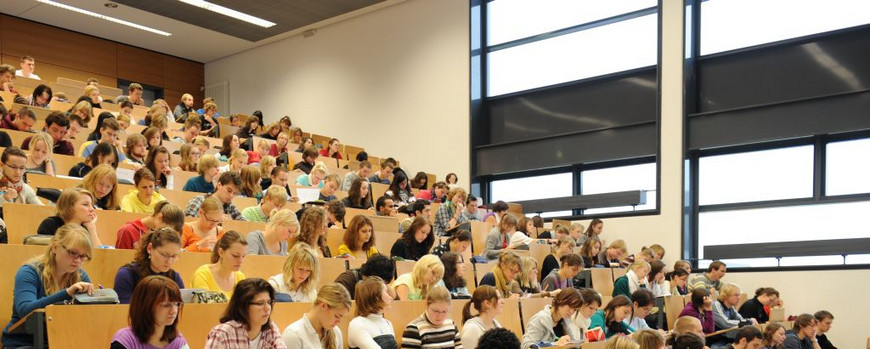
(131, 202)
(344, 249)
(202, 278)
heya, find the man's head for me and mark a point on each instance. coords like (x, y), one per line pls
(805, 325)
(135, 91)
(422, 208)
(28, 64)
(498, 338)
(380, 266)
(386, 169)
(689, 341)
(825, 320)
(471, 204)
(280, 176)
(92, 81)
(310, 154)
(57, 125)
(24, 120)
(228, 185)
(716, 270)
(365, 169)
(76, 124)
(109, 130)
(14, 163)
(688, 324)
(748, 337)
(191, 129)
(384, 205)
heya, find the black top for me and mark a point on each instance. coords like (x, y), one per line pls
(303, 166)
(559, 330)
(402, 249)
(265, 183)
(5, 141)
(80, 170)
(103, 202)
(365, 206)
(545, 235)
(348, 279)
(754, 309)
(50, 225)
(549, 264)
(824, 343)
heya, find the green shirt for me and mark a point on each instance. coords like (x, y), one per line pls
(255, 214)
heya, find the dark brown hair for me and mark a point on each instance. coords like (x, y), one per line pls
(156, 239)
(351, 234)
(225, 242)
(481, 294)
(243, 295)
(149, 292)
(452, 278)
(367, 296)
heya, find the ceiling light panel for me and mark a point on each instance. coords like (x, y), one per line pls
(104, 17)
(229, 13)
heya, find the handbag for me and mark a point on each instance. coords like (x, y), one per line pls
(38, 239)
(101, 296)
(209, 297)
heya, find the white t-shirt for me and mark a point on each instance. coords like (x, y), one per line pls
(32, 76)
(367, 332)
(301, 335)
(277, 282)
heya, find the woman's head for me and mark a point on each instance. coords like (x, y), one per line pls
(267, 163)
(155, 303)
(595, 228)
(301, 269)
(508, 224)
(438, 305)
(41, 95)
(427, 272)
(103, 153)
(158, 161)
(617, 249)
(251, 181)
(330, 184)
(211, 213)
(678, 277)
(460, 241)
(419, 233)
(510, 264)
(190, 156)
(68, 249)
(238, 159)
(700, 298)
(643, 301)
(591, 302)
(41, 147)
(451, 178)
(168, 215)
(229, 145)
(76, 205)
(359, 191)
(103, 182)
(312, 226)
(618, 309)
(640, 268)
(283, 222)
(251, 304)
(621, 342)
(208, 166)
(566, 303)
(526, 226)
(158, 251)
(454, 270)
(649, 339)
(774, 334)
(563, 246)
(230, 250)
(371, 296)
(420, 181)
(485, 299)
(359, 235)
(333, 302)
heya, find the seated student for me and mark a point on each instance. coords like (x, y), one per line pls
(108, 135)
(365, 169)
(250, 182)
(754, 308)
(499, 239)
(504, 275)
(79, 117)
(21, 121)
(457, 243)
(385, 207)
(318, 328)
(96, 134)
(93, 93)
(454, 275)
(330, 185)
(309, 156)
(563, 277)
(273, 241)
(230, 144)
(227, 187)
(563, 247)
(312, 231)
(208, 172)
(237, 160)
(646, 254)
(383, 175)
(203, 144)
(377, 265)
(207, 120)
(416, 284)
(166, 215)
(304, 143)
(656, 279)
(274, 199)
(399, 190)
(184, 108)
(596, 227)
(201, 234)
(746, 338)
(613, 254)
(449, 215)
(40, 98)
(267, 163)
(226, 260)
(190, 156)
(434, 328)
(470, 211)
(74, 206)
(136, 150)
(710, 280)
(642, 303)
(676, 282)
(191, 130)
(529, 277)
(359, 195)
(774, 335)
(249, 129)
(497, 211)
(155, 308)
(359, 240)
(158, 162)
(272, 131)
(103, 154)
(144, 198)
(298, 279)
(369, 329)
(53, 277)
(824, 319)
(248, 319)
(634, 279)
(332, 150)
(156, 254)
(123, 121)
(282, 141)
(552, 325)
(802, 334)
(591, 304)
(611, 319)
(415, 242)
(12, 179)
(489, 304)
(701, 307)
(313, 179)
(40, 158)
(725, 313)
(420, 208)
(278, 176)
(56, 125)
(103, 183)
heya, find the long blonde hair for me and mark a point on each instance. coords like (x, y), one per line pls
(301, 255)
(250, 181)
(69, 236)
(525, 280)
(283, 217)
(49, 144)
(98, 173)
(422, 267)
(335, 296)
(186, 164)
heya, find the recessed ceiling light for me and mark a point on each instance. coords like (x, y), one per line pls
(104, 17)
(229, 13)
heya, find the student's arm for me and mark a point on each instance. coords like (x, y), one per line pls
(27, 280)
(359, 336)
(493, 246)
(402, 292)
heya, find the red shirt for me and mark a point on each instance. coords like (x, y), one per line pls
(325, 152)
(130, 233)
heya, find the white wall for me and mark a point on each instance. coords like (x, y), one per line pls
(408, 65)
(395, 81)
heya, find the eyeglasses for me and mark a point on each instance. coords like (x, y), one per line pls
(167, 255)
(170, 305)
(213, 221)
(75, 255)
(16, 168)
(263, 304)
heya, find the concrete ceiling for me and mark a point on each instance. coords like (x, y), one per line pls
(197, 34)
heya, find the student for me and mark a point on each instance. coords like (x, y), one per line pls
(207, 120)
(499, 239)
(158, 162)
(498, 338)
(359, 239)
(575, 231)
(563, 277)
(53, 277)
(208, 171)
(103, 154)
(57, 126)
(420, 181)
(377, 265)
(108, 135)
(332, 150)
(504, 274)
(725, 313)
(251, 183)
(318, 329)
(369, 329)
(648, 339)
(677, 281)
(12, 181)
(312, 231)
(22, 121)
(449, 215)
(309, 156)
(529, 277)
(103, 183)
(610, 319)
(710, 280)
(591, 304)
(190, 156)
(774, 335)
(237, 160)
(802, 334)
(226, 189)
(489, 304)
(202, 143)
(136, 150)
(97, 133)
(248, 319)
(277, 176)
(298, 278)
(634, 279)
(383, 176)
(754, 308)
(359, 195)
(93, 94)
(154, 311)
(552, 325)
(656, 279)
(305, 143)
(497, 211)
(457, 243)
(28, 64)
(563, 247)
(226, 259)
(166, 215)
(274, 199)
(191, 130)
(434, 328)
(144, 198)
(184, 108)
(399, 190)
(415, 242)
(612, 254)
(646, 254)
(454, 275)
(201, 234)
(230, 144)
(385, 207)
(824, 319)
(364, 171)
(249, 129)
(416, 284)
(314, 177)
(156, 254)
(40, 97)
(748, 337)
(281, 143)
(330, 185)
(273, 241)
(701, 307)
(642, 302)
(74, 206)
(688, 325)
(596, 227)
(470, 211)
(40, 158)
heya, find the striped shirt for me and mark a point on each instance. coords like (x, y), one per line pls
(421, 333)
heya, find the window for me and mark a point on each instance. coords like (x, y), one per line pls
(784, 173)
(532, 188)
(623, 178)
(848, 167)
(733, 24)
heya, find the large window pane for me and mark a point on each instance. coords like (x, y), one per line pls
(784, 173)
(623, 178)
(510, 20)
(531, 188)
(848, 167)
(732, 24)
(598, 51)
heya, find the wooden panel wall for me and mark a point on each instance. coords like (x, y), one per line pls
(60, 52)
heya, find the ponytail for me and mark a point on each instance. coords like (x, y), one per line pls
(466, 312)
(481, 294)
